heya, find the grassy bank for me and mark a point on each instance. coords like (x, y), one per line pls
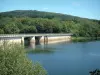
(13, 61)
(83, 39)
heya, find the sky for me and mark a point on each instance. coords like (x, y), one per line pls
(82, 8)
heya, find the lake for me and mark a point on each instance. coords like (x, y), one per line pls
(69, 58)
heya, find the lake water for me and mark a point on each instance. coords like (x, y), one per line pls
(69, 58)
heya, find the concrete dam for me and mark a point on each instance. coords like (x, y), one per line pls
(34, 38)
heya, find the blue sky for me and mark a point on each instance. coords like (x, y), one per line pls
(81, 8)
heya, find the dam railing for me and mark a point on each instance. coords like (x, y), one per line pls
(30, 35)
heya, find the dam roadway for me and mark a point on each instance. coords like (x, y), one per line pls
(30, 35)
(35, 38)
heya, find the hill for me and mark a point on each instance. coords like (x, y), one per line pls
(39, 14)
(33, 21)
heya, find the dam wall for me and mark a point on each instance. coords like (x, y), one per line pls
(35, 39)
(55, 39)
(11, 40)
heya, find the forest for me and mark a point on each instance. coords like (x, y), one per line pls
(33, 21)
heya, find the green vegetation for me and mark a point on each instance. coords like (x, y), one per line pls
(95, 72)
(13, 61)
(83, 39)
(33, 21)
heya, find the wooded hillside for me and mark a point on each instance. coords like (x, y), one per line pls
(33, 21)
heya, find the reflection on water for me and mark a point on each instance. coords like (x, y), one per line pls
(38, 51)
(69, 58)
(38, 48)
(34, 46)
(41, 45)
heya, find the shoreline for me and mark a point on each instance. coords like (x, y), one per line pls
(83, 39)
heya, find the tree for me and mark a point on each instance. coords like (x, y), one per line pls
(57, 26)
(28, 29)
(1, 31)
(48, 28)
(11, 28)
(46, 22)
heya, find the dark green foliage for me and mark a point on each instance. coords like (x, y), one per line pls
(28, 29)
(33, 21)
(1, 31)
(84, 39)
(95, 72)
(13, 61)
(11, 28)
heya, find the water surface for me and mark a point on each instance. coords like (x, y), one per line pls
(69, 58)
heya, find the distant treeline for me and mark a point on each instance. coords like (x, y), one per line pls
(32, 21)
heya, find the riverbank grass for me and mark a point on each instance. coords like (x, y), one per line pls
(13, 61)
(83, 39)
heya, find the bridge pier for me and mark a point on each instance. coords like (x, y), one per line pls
(45, 40)
(32, 42)
(22, 41)
(32, 39)
(41, 39)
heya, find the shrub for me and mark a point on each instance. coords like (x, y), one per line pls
(13, 61)
(95, 72)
